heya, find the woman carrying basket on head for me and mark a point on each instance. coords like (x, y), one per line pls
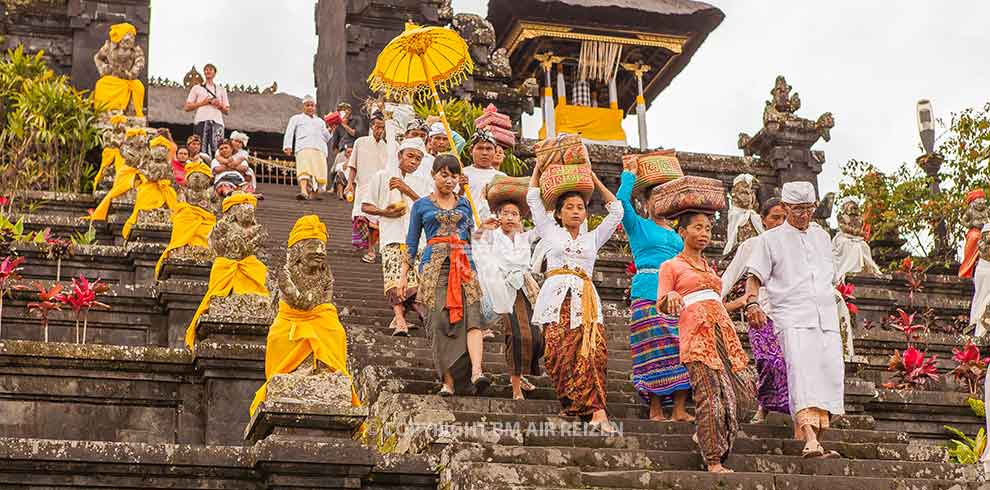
(657, 372)
(568, 306)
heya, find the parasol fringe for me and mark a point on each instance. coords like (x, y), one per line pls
(454, 77)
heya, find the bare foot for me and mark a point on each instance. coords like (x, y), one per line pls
(658, 418)
(718, 468)
(682, 417)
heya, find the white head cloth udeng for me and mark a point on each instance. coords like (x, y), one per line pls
(239, 136)
(412, 144)
(437, 129)
(308, 98)
(797, 193)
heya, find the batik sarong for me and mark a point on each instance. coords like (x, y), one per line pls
(656, 369)
(578, 380)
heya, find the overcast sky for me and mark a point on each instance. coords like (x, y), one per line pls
(866, 62)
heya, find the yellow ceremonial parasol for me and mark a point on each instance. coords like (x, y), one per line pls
(417, 62)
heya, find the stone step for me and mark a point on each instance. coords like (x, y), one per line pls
(624, 460)
(492, 476)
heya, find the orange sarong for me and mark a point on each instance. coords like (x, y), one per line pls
(460, 272)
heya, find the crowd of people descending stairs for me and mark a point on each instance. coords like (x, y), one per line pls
(466, 268)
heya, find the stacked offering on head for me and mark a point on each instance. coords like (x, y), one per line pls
(565, 167)
(653, 169)
(690, 194)
(503, 189)
(498, 124)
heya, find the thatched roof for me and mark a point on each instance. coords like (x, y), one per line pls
(251, 113)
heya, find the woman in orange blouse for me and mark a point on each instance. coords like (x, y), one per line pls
(710, 349)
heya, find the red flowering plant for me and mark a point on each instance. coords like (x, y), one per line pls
(9, 275)
(970, 368)
(905, 324)
(55, 248)
(914, 277)
(48, 301)
(82, 298)
(911, 370)
(846, 290)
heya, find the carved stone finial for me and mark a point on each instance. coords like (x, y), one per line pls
(271, 89)
(192, 78)
(479, 34)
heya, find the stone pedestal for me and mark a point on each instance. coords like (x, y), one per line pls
(154, 225)
(308, 407)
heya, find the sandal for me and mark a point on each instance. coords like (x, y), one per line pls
(813, 452)
(302, 197)
(526, 385)
(445, 392)
(481, 384)
(369, 258)
(489, 334)
(605, 427)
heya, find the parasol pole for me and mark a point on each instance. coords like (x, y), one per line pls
(450, 136)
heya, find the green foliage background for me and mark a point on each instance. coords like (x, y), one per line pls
(49, 127)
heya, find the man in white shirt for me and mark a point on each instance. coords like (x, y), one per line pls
(794, 262)
(484, 155)
(209, 100)
(368, 157)
(436, 143)
(390, 198)
(306, 136)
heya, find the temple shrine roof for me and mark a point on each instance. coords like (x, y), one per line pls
(663, 34)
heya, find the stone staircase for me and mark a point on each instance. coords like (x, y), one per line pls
(134, 409)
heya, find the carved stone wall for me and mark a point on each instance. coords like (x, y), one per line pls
(71, 31)
(352, 33)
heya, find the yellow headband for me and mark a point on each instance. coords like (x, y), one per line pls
(235, 199)
(160, 141)
(198, 167)
(118, 31)
(306, 228)
(132, 132)
(118, 119)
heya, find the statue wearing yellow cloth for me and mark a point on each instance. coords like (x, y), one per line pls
(134, 149)
(306, 332)
(112, 133)
(192, 219)
(120, 62)
(155, 192)
(236, 272)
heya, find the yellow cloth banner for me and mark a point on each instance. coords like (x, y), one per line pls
(117, 92)
(123, 181)
(191, 226)
(110, 156)
(245, 276)
(150, 195)
(592, 123)
(296, 334)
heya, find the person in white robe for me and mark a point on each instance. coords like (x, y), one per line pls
(393, 192)
(369, 156)
(502, 253)
(484, 168)
(306, 136)
(794, 262)
(978, 316)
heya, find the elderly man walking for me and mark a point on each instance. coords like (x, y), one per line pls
(306, 136)
(795, 263)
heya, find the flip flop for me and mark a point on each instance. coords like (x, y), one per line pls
(369, 258)
(606, 427)
(301, 197)
(525, 385)
(481, 384)
(444, 392)
(813, 453)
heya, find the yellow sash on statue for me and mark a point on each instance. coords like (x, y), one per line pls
(123, 181)
(245, 276)
(117, 92)
(110, 155)
(151, 195)
(191, 226)
(297, 333)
